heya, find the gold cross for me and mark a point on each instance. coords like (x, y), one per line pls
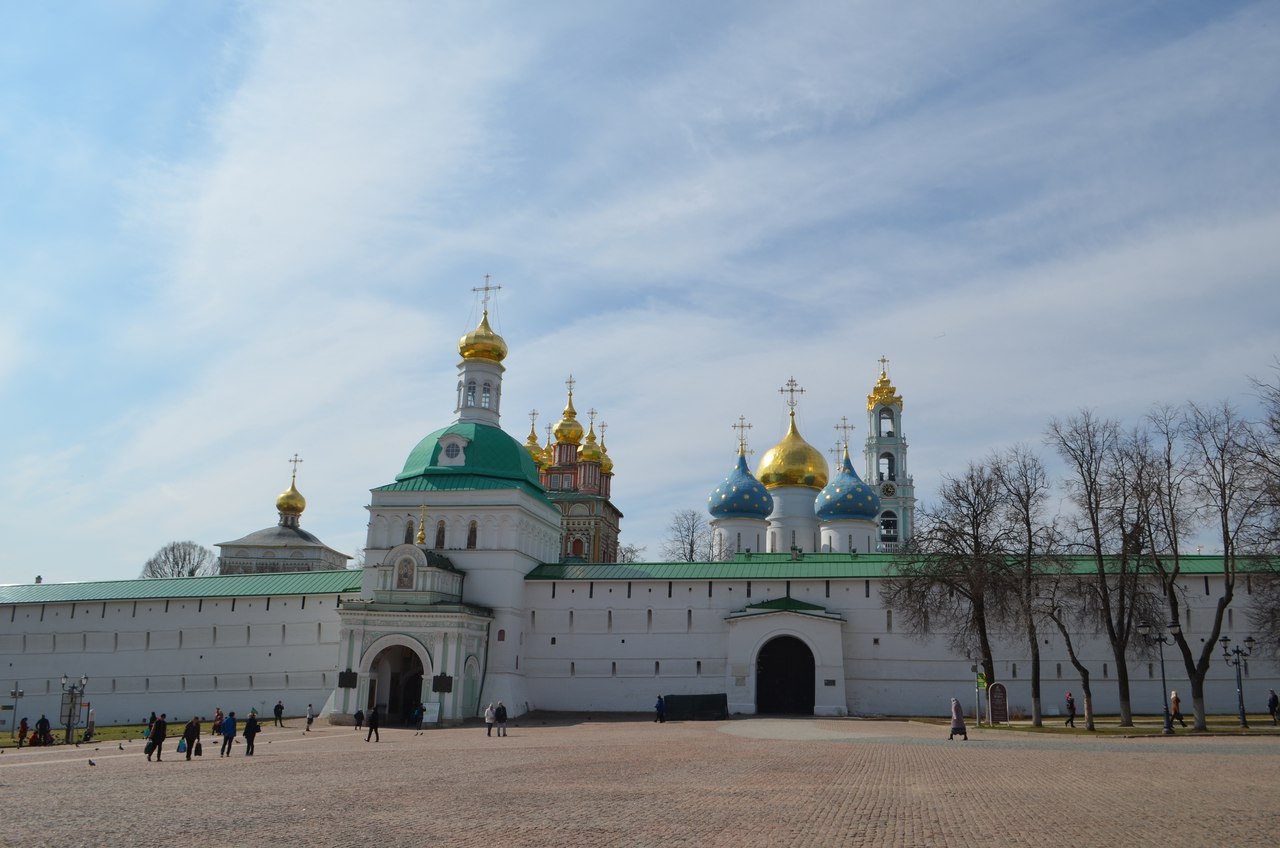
(883, 363)
(486, 288)
(792, 388)
(591, 416)
(603, 426)
(295, 462)
(844, 426)
(533, 418)
(570, 383)
(742, 427)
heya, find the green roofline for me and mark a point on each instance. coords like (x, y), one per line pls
(165, 588)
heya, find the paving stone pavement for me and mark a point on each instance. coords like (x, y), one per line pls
(576, 781)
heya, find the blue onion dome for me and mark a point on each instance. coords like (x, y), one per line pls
(740, 495)
(847, 496)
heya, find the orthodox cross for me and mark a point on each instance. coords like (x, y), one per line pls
(742, 427)
(844, 426)
(570, 382)
(836, 452)
(486, 288)
(295, 462)
(591, 416)
(884, 362)
(533, 420)
(548, 435)
(792, 388)
(603, 426)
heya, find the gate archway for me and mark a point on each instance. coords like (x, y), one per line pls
(785, 678)
(395, 682)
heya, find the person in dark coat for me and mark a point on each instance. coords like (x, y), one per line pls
(42, 730)
(159, 732)
(278, 712)
(24, 729)
(1273, 707)
(957, 722)
(228, 734)
(1071, 711)
(359, 719)
(419, 713)
(251, 728)
(191, 733)
(373, 726)
(500, 715)
(660, 710)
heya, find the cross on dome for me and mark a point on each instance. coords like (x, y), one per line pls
(845, 427)
(570, 383)
(295, 461)
(884, 364)
(792, 388)
(486, 288)
(742, 427)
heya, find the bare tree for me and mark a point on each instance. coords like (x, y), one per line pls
(181, 559)
(631, 553)
(1106, 529)
(952, 572)
(1264, 539)
(689, 539)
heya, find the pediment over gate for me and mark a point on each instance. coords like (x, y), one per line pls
(788, 605)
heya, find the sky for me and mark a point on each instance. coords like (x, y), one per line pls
(235, 232)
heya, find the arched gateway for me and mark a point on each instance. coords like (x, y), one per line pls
(785, 677)
(395, 683)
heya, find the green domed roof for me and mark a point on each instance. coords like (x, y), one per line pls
(491, 460)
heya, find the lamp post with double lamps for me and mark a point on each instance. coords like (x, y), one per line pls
(1235, 656)
(72, 693)
(1161, 639)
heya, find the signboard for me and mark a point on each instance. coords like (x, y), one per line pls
(982, 680)
(347, 679)
(431, 712)
(70, 709)
(998, 704)
(442, 683)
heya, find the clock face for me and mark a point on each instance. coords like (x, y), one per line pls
(888, 490)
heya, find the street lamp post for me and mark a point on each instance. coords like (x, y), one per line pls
(72, 692)
(1235, 656)
(1161, 639)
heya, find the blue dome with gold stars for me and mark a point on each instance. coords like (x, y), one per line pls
(847, 497)
(740, 495)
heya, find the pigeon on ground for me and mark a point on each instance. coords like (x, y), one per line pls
(121, 746)
(92, 763)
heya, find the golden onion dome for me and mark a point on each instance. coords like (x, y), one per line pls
(569, 430)
(535, 449)
(606, 464)
(483, 343)
(291, 501)
(590, 451)
(792, 462)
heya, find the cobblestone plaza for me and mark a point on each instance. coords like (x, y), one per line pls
(573, 781)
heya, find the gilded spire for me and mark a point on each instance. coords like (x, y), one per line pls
(884, 394)
(291, 503)
(590, 451)
(606, 464)
(422, 525)
(483, 342)
(569, 430)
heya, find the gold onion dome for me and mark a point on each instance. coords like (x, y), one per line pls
(792, 462)
(535, 449)
(606, 464)
(291, 501)
(569, 430)
(590, 451)
(483, 343)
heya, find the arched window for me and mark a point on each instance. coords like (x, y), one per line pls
(440, 535)
(471, 393)
(886, 468)
(888, 526)
(884, 423)
(486, 395)
(471, 536)
(577, 547)
(408, 532)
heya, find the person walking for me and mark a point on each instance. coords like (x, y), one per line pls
(1071, 711)
(251, 728)
(42, 730)
(373, 725)
(159, 732)
(1175, 707)
(1273, 707)
(957, 722)
(489, 716)
(418, 715)
(278, 712)
(228, 734)
(191, 733)
(311, 716)
(500, 716)
(24, 728)
(217, 721)
(359, 719)
(660, 710)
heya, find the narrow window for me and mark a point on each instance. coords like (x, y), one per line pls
(628, 588)
(709, 585)
(1206, 584)
(471, 536)
(553, 591)
(571, 620)
(1230, 618)
(656, 669)
(440, 535)
(649, 621)
(828, 588)
(471, 393)
(613, 669)
(609, 624)
(573, 669)
(1104, 671)
(533, 620)
(748, 588)
(888, 621)
(1013, 670)
(408, 533)
(688, 621)
(486, 395)
(502, 634)
(1151, 671)
(1059, 671)
(699, 671)
(591, 589)
(668, 588)
(866, 589)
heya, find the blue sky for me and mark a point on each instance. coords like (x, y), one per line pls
(236, 232)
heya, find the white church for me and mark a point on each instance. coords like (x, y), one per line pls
(490, 574)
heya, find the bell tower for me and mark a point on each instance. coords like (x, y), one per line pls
(886, 457)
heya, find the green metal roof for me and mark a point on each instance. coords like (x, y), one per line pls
(491, 456)
(781, 566)
(221, 586)
(458, 482)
